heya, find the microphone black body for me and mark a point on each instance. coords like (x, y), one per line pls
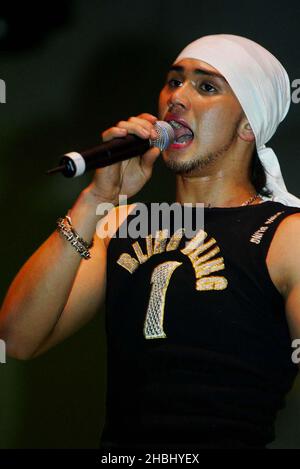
(74, 164)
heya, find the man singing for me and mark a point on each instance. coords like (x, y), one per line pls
(200, 330)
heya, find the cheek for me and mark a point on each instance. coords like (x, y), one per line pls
(217, 123)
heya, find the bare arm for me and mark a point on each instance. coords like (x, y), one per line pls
(285, 248)
(88, 290)
(291, 270)
(56, 291)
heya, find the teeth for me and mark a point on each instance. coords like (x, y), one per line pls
(175, 124)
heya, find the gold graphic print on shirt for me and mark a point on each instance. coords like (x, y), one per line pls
(202, 256)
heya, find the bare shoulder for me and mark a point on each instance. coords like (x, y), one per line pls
(284, 268)
(109, 224)
(284, 254)
(289, 228)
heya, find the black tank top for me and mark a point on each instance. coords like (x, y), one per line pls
(198, 347)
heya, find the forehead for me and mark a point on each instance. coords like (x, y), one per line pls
(191, 65)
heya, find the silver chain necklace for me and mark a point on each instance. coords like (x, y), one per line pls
(248, 201)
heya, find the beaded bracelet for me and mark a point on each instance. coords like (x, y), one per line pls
(65, 227)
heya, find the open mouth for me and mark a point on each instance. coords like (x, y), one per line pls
(183, 134)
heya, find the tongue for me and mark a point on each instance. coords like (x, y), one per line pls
(182, 134)
(184, 138)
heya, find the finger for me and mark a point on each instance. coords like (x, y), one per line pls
(113, 132)
(148, 160)
(148, 117)
(145, 124)
(138, 128)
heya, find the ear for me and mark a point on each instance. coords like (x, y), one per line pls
(244, 130)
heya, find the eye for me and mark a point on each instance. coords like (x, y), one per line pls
(208, 88)
(174, 83)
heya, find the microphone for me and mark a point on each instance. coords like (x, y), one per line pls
(75, 164)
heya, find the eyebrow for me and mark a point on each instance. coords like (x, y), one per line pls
(198, 71)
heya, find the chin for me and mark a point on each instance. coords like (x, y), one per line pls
(187, 162)
(179, 165)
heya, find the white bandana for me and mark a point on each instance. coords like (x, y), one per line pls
(261, 85)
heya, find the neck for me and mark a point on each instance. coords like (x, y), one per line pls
(214, 190)
(223, 182)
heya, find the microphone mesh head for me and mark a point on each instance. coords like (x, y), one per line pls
(165, 135)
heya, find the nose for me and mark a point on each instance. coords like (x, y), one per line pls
(180, 97)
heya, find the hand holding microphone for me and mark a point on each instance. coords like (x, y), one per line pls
(122, 147)
(125, 160)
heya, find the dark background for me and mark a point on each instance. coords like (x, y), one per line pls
(72, 69)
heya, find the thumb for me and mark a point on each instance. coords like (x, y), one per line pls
(149, 158)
